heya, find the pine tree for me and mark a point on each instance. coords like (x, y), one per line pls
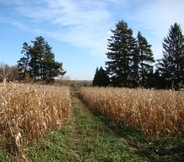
(23, 63)
(95, 79)
(39, 61)
(171, 66)
(145, 57)
(134, 75)
(121, 48)
(101, 78)
(37, 56)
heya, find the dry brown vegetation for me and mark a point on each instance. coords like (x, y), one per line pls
(152, 111)
(27, 112)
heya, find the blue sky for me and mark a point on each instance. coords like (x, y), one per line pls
(78, 30)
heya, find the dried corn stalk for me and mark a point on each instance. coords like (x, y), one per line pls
(152, 111)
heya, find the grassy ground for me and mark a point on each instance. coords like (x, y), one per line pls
(90, 137)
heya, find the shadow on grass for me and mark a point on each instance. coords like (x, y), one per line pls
(160, 149)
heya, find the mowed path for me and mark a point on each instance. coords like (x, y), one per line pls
(90, 139)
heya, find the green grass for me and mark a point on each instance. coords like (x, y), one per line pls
(163, 148)
(98, 142)
(53, 148)
(4, 157)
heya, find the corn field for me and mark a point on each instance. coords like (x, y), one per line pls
(152, 111)
(28, 111)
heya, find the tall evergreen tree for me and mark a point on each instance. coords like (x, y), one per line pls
(134, 75)
(121, 48)
(101, 78)
(145, 57)
(37, 56)
(39, 61)
(171, 66)
(23, 63)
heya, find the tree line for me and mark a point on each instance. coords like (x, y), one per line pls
(130, 60)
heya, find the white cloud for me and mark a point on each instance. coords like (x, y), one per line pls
(86, 23)
(154, 19)
(83, 24)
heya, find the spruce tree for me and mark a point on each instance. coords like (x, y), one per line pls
(145, 58)
(171, 66)
(101, 78)
(23, 63)
(134, 75)
(39, 61)
(37, 55)
(95, 79)
(121, 49)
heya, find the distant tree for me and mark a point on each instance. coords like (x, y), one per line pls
(4, 71)
(171, 66)
(145, 58)
(39, 61)
(74, 84)
(158, 81)
(121, 50)
(101, 78)
(14, 74)
(23, 63)
(9, 73)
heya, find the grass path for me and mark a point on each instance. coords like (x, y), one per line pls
(90, 139)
